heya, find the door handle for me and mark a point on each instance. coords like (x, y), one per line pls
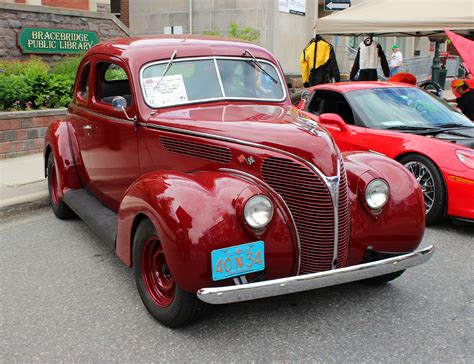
(87, 127)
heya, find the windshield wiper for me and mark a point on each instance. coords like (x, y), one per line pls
(406, 127)
(168, 66)
(259, 66)
(454, 125)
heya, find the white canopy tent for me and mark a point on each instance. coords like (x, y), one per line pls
(399, 17)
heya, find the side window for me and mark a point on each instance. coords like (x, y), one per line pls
(112, 81)
(331, 102)
(83, 91)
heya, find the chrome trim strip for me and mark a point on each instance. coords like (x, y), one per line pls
(334, 191)
(288, 211)
(276, 287)
(111, 118)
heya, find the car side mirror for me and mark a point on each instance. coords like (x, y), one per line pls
(333, 119)
(120, 104)
(305, 96)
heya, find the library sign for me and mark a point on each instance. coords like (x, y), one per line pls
(50, 41)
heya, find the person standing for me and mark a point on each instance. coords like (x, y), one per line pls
(396, 60)
(318, 63)
(465, 101)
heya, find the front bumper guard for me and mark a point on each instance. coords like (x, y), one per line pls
(305, 282)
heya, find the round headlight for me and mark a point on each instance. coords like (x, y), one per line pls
(258, 211)
(376, 194)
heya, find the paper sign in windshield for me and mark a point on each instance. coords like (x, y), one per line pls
(169, 91)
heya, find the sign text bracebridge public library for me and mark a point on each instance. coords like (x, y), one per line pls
(48, 41)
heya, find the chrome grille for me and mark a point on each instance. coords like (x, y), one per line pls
(311, 205)
(204, 151)
(344, 220)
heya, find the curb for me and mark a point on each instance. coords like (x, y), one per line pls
(24, 204)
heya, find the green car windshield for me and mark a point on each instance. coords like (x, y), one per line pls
(392, 108)
(208, 79)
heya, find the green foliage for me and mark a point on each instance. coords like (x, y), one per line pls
(247, 33)
(214, 33)
(33, 84)
(13, 90)
(115, 73)
(67, 66)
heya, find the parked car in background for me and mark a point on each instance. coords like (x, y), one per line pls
(428, 136)
(185, 156)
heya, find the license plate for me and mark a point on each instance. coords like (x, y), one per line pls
(237, 260)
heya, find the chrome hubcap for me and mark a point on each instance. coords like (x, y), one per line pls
(426, 181)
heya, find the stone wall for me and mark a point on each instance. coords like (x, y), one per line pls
(22, 132)
(14, 17)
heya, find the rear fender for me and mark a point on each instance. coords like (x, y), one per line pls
(400, 226)
(194, 214)
(57, 141)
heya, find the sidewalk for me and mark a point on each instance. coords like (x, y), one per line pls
(22, 184)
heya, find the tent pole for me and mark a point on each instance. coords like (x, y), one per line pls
(436, 64)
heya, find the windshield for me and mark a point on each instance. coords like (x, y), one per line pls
(195, 80)
(398, 108)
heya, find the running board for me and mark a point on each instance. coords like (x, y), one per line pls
(100, 219)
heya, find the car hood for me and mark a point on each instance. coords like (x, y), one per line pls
(266, 125)
(461, 136)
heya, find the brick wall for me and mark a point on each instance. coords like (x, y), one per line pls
(69, 4)
(23, 132)
(125, 12)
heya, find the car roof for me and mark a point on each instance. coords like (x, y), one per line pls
(360, 85)
(157, 47)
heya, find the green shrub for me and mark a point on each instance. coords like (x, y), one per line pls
(247, 33)
(34, 64)
(13, 88)
(34, 84)
(67, 66)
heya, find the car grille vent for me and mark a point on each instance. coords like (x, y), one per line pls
(310, 203)
(198, 150)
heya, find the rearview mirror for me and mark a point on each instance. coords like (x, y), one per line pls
(333, 119)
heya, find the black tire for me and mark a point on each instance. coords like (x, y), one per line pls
(60, 209)
(434, 189)
(173, 307)
(378, 281)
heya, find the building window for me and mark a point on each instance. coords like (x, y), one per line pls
(115, 7)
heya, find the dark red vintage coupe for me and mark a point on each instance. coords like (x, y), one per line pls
(185, 156)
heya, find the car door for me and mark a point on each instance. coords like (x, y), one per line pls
(79, 122)
(328, 101)
(113, 152)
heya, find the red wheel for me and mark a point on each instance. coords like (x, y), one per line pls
(161, 295)
(155, 273)
(60, 209)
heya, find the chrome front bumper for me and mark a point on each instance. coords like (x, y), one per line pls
(276, 287)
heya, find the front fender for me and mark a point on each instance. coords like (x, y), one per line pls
(195, 214)
(399, 228)
(57, 141)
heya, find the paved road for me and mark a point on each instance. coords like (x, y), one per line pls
(66, 297)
